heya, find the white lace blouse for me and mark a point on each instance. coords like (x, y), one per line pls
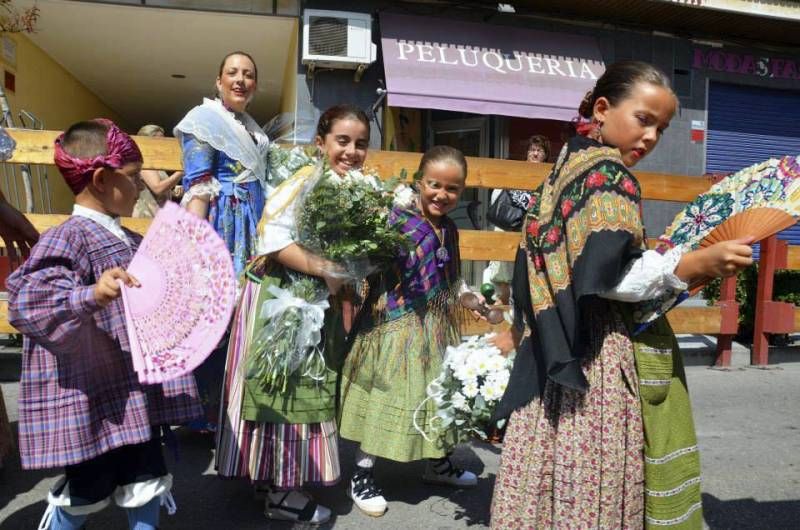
(649, 277)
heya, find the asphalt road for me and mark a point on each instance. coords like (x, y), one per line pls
(748, 423)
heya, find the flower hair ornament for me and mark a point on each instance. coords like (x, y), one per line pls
(591, 128)
(120, 150)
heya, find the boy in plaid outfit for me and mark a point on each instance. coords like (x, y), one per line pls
(81, 406)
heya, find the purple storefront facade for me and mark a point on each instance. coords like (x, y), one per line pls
(484, 82)
(487, 70)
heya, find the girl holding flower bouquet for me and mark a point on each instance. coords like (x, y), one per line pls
(401, 334)
(279, 427)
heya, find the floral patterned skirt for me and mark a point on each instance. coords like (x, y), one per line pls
(575, 459)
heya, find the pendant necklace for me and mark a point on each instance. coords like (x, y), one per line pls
(441, 253)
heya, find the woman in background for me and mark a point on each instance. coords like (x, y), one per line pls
(159, 186)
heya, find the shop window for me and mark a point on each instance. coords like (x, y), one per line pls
(402, 129)
(520, 130)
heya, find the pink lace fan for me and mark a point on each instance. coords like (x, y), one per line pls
(179, 314)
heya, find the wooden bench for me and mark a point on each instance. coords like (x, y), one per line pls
(36, 147)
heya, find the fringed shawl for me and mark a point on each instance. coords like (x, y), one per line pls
(581, 231)
(429, 268)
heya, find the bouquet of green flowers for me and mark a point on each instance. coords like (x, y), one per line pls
(473, 379)
(345, 219)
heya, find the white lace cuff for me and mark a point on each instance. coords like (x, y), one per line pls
(649, 277)
(207, 189)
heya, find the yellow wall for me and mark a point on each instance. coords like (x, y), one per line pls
(289, 90)
(57, 98)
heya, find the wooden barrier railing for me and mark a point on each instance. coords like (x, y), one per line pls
(36, 147)
(772, 317)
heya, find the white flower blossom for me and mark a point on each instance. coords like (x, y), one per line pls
(404, 196)
(466, 372)
(470, 388)
(479, 362)
(334, 178)
(491, 391)
(460, 402)
(500, 379)
(454, 357)
(497, 363)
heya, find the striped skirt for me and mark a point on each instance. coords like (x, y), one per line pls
(287, 456)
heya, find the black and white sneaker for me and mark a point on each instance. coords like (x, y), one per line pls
(441, 471)
(366, 495)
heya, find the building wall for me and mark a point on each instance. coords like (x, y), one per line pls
(676, 153)
(55, 97)
(288, 101)
(289, 91)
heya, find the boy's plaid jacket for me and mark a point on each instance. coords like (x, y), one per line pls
(79, 395)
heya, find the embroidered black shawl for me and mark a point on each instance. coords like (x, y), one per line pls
(582, 229)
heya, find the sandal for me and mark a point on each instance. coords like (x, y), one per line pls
(295, 506)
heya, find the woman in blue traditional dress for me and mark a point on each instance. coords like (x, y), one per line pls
(225, 165)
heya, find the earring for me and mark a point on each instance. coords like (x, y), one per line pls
(596, 131)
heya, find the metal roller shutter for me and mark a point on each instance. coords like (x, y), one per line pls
(749, 124)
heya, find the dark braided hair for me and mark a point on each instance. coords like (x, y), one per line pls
(442, 153)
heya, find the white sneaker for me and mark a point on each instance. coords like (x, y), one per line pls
(366, 495)
(296, 506)
(441, 471)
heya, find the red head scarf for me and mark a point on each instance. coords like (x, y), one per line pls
(120, 150)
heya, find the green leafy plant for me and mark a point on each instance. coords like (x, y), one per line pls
(346, 220)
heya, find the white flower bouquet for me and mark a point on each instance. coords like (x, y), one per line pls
(283, 163)
(289, 339)
(473, 379)
(343, 218)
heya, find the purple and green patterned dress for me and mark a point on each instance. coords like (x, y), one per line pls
(402, 333)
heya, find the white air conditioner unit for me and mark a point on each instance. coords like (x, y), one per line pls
(337, 39)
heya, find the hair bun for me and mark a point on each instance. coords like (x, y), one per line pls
(585, 109)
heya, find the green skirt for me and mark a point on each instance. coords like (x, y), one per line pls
(671, 460)
(384, 380)
(305, 400)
